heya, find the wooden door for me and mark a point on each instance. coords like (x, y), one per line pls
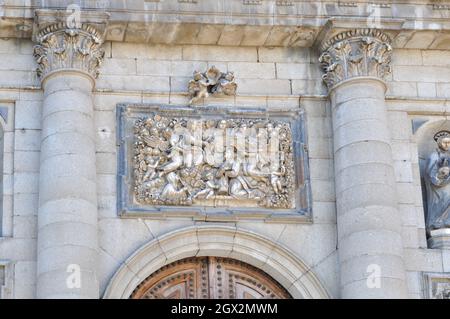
(209, 278)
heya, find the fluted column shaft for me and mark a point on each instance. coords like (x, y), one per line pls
(67, 219)
(368, 220)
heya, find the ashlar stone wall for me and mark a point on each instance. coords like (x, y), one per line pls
(418, 92)
(266, 77)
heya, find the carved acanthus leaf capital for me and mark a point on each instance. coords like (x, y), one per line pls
(356, 53)
(61, 47)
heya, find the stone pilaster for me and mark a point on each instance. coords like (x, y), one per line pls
(68, 59)
(355, 63)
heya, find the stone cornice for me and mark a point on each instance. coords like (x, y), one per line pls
(337, 27)
(356, 53)
(423, 24)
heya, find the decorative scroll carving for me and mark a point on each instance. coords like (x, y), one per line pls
(211, 82)
(356, 53)
(61, 47)
(437, 181)
(243, 162)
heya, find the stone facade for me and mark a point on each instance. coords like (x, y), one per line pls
(364, 88)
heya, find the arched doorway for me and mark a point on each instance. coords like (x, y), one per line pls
(278, 262)
(209, 278)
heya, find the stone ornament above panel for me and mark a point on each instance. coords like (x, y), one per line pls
(211, 82)
(212, 161)
(356, 53)
(76, 48)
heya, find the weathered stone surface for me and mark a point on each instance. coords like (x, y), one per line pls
(61, 153)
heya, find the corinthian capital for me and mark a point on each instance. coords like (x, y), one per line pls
(61, 47)
(356, 53)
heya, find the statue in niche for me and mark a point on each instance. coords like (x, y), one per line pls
(184, 162)
(437, 180)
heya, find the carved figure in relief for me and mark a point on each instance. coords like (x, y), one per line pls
(184, 162)
(198, 87)
(151, 168)
(211, 186)
(227, 85)
(172, 192)
(211, 82)
(275, 180)
(176, 160)
(437, 182)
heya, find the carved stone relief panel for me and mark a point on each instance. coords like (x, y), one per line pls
(180, 161)
(437, 285)
(212, 161)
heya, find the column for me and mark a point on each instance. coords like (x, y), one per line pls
(369, 223)
(68, 59)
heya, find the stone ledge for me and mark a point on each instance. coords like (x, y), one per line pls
(237, 24)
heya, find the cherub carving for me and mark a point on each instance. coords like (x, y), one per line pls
(211, 82)
(198, 87)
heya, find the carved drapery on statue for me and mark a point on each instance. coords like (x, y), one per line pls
(64, 48)
(355, 53)
(181, 161)
(437, 181)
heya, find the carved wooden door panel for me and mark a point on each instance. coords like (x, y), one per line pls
(209, 278)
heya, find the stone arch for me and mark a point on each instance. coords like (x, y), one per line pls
(218, 241)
